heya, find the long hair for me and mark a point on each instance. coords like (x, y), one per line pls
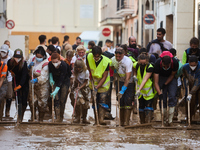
(13, 63)
(79, 63)
(143, 56)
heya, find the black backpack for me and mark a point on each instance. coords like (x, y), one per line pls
(156, 41)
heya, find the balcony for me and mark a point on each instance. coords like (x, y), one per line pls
(125, 10)
(111, 21)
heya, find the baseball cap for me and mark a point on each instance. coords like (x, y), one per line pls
(18, 53)
(4, 48)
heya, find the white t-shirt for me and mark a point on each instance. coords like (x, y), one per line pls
(9, 77)
(123, 67)
(74, 59)
(155, 48)
(82, 76)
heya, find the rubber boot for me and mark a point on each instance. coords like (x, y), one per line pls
(84, 115)
(77, 117)
(127, 114)
(41, 116)
(57, 114)
(122, 116)
(101, 116)
(8, 104)
(142, 117)
(1, 108)
(148, 116)
(19, 112)
(171, 114)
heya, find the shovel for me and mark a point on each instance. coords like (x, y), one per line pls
(16, 101)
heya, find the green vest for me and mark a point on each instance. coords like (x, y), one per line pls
(97, 72)
(132, 59)
(147, 91)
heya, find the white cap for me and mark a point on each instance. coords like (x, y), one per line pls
(4, 48)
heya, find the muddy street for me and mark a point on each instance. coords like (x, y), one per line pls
(35, 136)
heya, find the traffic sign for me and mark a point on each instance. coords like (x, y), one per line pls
(10, 24)
(149, 19)
(106, 32)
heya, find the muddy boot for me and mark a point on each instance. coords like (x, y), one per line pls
(171, 114)
(84, 115)
(148, 114)
(77, 117)
(176, 114)
(57, 114)
(142, 117)
(8, 104)
(127, 114)
(1, 109)
(122, 116)
(101, 116)
(41, 116)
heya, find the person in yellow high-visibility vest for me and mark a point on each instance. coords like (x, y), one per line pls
(98, 66)
(124, 66)
(143, 75)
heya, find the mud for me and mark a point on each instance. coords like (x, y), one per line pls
(69, 137)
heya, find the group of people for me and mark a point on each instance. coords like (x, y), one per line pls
(87, 75)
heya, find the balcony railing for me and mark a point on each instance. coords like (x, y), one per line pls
(125, 7)
(124, 10)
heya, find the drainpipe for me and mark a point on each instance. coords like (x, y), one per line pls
(194, 8)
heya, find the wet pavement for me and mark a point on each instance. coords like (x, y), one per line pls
(36, 136)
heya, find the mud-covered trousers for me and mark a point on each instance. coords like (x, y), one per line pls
(168, 92)
(61, 98)
(41, 95)
(128, 96)
(3, 92)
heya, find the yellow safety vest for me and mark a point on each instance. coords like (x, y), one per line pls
(132, 59)
(147, 91)
(97, 72)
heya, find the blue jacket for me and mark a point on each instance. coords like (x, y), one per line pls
(192, 76)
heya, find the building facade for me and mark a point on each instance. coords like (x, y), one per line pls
(53, 18)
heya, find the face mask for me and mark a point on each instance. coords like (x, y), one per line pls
(194, 50)
(56, 64)
(132, 46)
(3, 54)
(193, 67)
(39, 59)
(166, 69)
(17, 60)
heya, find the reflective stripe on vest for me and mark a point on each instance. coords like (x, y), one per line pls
(147, 91)
(97, 72)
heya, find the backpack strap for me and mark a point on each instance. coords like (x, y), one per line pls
(188, 51)
(45, 64)
(33, 59)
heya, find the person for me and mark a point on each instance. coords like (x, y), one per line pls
(59, 74)
(152, 58)
(66, 46)
(143, 74)
(91, 44)
(10, 52)
(81, 84)
(3, 86)
(192, 50)
(68, 59)
(125, 48)
(55, 42)
(132, 48)
(159, 45)
(50, 41)
(42, 39)
(78, 42)
(164, 78)
(123, 66)
(50, 49)
(39, 67)
(191, 71)
(18, 68)
(98, 66)
(4, 57)
(81, 52)
(107, 46)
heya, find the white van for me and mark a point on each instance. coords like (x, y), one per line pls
(95, 36)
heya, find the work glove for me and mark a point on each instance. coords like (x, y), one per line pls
(51, 79)
(34, 81)
(17, 88)
(163, 86)
(135, 79)
(120, 94)
(137, 93)
(30, 65)
(55, 92)
(160, 97)
(189, 97)
(94, 92)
